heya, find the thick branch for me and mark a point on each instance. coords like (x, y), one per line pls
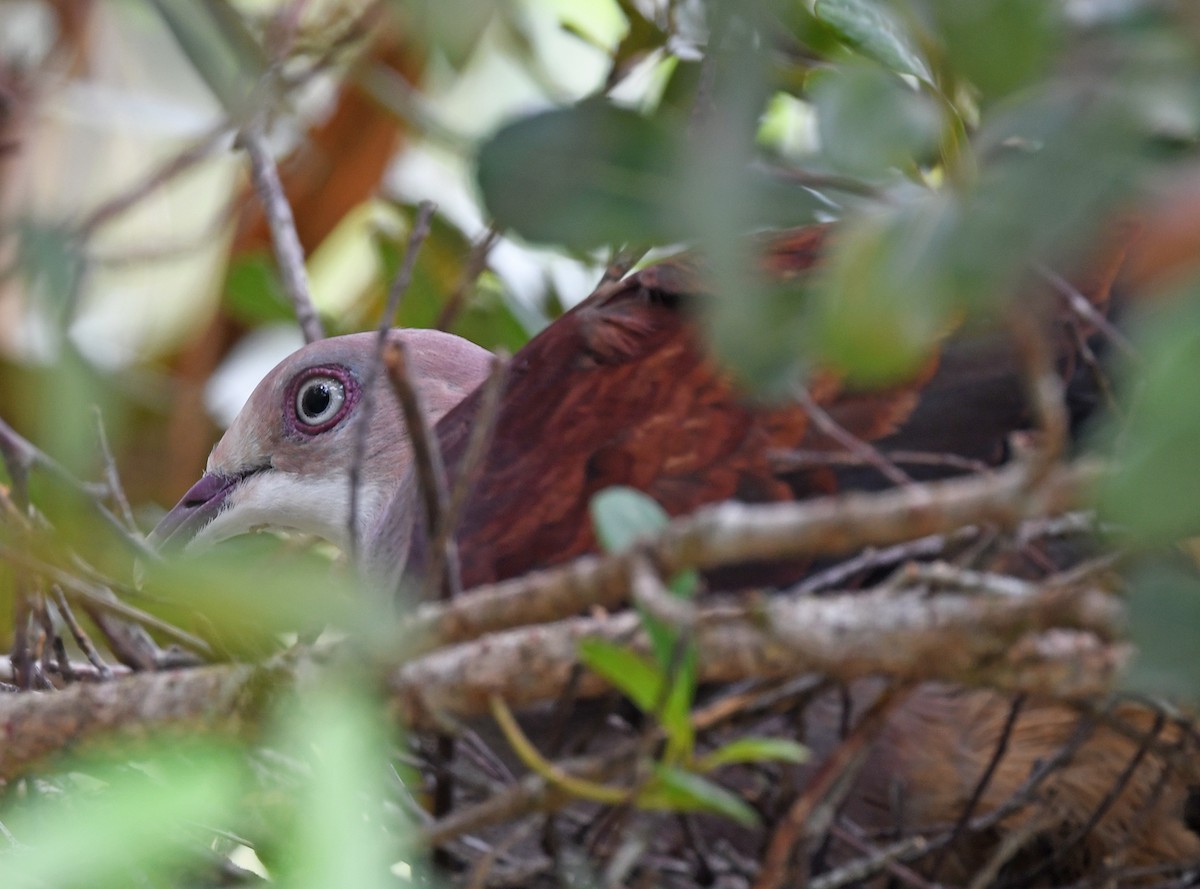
(912, 636)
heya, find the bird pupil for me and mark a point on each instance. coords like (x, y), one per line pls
(316, 399)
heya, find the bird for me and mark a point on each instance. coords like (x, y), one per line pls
(621, 391)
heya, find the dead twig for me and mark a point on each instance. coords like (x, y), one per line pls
(427, 459)
(865, 452)
(475, 266)
(399, 286)
(288, 250)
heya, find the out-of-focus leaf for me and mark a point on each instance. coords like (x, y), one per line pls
(628, 672)
(343, 837)
(1164, 623)
(1155, 493)
(999, 45)
(881, 305)
(253, 292)
(679, 790)
(452, 27)
(870, 122)
(222, 50)
(745, 750)
(242, 594)
(121, 822)
(584, 177)
(871, 28)
(622, 516)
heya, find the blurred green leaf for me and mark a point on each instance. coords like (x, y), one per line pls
(243, 593)
(122, 821)
(214, 37)
(679, 790)
(622, 516)
(745, 750)
(451, 27)
(586, 176)
(343, 836)
(871, 28)
(634, 676)
(1164, 623)
(999, 45)
(870, 122)
(881, 305)
(253, 292)
(1155, 492)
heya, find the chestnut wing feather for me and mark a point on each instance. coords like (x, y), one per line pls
(619, 392)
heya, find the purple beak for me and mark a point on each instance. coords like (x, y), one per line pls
(196, 508)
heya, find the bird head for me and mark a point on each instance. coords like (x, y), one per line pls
(285, 462)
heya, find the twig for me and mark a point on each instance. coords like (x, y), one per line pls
(76, 588)
(866, 452)
(981, 785)
(836, 773)
(81, 638)
(877, 858)
(480, 440)
(1043, 382)
(163, 174)
(427, 458)
(399, 286)
(278, 212)
(476, 263)
(111, 476)
(789, 461)
(1082, 306)
(20, 455)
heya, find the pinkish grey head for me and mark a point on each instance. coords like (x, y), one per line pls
(285, 461)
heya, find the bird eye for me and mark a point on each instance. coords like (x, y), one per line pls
(319, 400)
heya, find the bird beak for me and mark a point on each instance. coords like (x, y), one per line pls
(199, 506)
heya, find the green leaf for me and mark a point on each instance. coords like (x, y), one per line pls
(214, 37)
(1164, 623)
(870, 122)
(999, 45)
(1155, 492)
(584, 177)
(678, 790)
(622, 516)
(883, 302)
(873, 30)
(754, 750)
(633, 675)
(121, 821)
(343, 836)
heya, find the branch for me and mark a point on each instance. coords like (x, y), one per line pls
(912, 636)
(288, 249)
(731, 533)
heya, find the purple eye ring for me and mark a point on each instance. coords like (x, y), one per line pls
(320, 398)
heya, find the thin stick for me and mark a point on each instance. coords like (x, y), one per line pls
(1082, 306)
(476, 263)
(20, 455)
(163, 174)
(400, 285)
(480, 441)
(112, 478)
(77, 632)
(288, 250)
(869, 454)
(427, 456)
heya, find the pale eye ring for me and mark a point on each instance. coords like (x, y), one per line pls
(319, 400)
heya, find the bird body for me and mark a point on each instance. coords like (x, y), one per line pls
(620, 391)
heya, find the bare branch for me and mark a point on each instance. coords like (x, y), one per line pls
(288, 250)
(399, 286)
